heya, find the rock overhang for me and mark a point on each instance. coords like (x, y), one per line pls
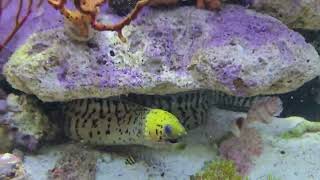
(237, 51)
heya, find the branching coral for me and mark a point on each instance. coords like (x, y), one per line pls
(83, 17)
(80, 23)
(20, 17)
(87, 12)
(209, 4)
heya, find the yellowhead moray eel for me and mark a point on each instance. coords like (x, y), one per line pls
(116, 122)
(191, 107)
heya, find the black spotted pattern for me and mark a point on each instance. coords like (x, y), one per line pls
(105, 121)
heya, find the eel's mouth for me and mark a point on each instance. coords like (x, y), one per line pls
(172, 141)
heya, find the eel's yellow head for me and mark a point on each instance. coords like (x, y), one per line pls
(162, 126)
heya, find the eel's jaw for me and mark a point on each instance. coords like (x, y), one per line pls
(173, 141)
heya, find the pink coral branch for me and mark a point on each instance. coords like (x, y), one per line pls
(19, 21)
(3, 5)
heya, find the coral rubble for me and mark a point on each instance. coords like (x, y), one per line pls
(26, 121)
(11, 167)
(75, 163)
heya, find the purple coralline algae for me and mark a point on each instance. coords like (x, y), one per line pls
(237, 51)
(41, 19)
(227, 74)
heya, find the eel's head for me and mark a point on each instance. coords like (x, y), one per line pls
(163, 127)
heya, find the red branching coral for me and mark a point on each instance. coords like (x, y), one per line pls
(83, 17)
(23, 11)
(86, 14)
(209, 4)
(88, 10)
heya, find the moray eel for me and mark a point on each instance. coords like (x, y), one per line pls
(115, 122)
(145, 119)
(191, 107)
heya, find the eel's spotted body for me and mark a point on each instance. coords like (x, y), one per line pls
(115, 122)
(233, 103)
(144, 119)
(191, 107)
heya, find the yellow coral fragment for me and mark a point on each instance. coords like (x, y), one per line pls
(90, 6)
(78, 20)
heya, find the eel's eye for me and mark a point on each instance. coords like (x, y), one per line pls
(168, 129)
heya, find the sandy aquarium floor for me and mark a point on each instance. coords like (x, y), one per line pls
(288, 159)
(151, 164)
(285, 159)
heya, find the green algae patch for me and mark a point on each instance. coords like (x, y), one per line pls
(271, 177)
(303, 127)
(29, 58)
(221, 169)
